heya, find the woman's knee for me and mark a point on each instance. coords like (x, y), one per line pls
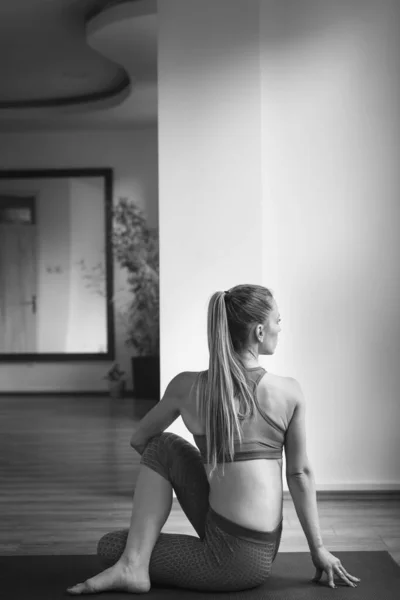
(156, 455)
(172, 456)
(162, 446)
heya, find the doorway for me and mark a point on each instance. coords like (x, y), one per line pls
(18, 293)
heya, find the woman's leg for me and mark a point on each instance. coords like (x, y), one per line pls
(216, 560)
(178, 461)
(151, 507)
(168, 461)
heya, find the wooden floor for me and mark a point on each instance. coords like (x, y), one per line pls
(67, 476)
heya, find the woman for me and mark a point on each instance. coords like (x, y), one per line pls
(231, 490)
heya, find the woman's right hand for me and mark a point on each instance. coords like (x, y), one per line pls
(323, 560)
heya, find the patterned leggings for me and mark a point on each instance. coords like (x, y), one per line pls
(225, 556)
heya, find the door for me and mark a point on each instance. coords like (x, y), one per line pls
(17, 281)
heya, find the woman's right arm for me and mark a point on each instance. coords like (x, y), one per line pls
(299, 474)
(301, 484)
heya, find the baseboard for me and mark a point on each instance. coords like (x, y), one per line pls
(357, 487)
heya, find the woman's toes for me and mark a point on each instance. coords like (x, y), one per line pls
(76, 589)
(81, 588)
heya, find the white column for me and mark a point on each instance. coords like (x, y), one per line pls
(209, 169)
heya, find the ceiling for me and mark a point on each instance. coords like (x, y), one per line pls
(68, 64)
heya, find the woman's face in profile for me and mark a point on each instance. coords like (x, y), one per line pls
(272, 329)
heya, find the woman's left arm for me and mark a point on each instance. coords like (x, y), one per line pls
(162, 415)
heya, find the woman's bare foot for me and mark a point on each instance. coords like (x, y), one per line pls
(121, 577)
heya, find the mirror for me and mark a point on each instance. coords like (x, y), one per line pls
(56, 265)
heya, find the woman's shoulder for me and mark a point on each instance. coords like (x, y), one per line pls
(280, 382)
(185, 380)
(278, 392)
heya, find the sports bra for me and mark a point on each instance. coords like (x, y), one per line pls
(262, 437)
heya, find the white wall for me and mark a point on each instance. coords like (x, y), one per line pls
(133, 156)
(331, 147)
(321, 87)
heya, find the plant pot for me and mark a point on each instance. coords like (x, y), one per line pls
(146, 377)
(116, 388)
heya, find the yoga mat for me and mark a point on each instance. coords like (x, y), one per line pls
(47, 577)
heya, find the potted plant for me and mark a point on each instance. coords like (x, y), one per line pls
(136, 249)
(116, 381)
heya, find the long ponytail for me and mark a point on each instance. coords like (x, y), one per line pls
(226, 381)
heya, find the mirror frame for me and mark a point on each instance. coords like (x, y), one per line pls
(107, 174)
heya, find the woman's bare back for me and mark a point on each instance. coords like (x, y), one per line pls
(250, 492)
